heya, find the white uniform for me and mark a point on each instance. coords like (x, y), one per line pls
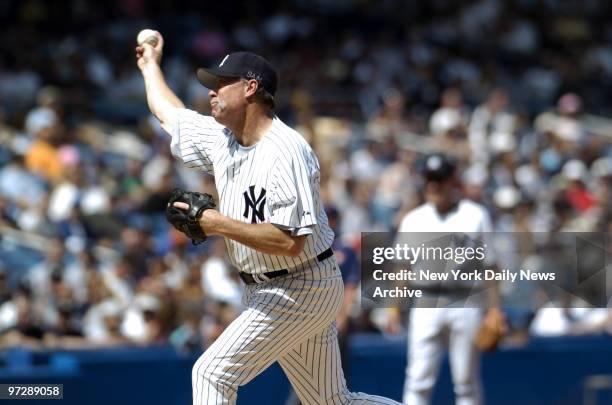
(430, 330)
(289, 319)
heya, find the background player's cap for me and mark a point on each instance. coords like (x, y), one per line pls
(438, 167)
(241, 64)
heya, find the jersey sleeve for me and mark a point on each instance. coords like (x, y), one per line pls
(194, 138)
(408, 223)
(292, 203)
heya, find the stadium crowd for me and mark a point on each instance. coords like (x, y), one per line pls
(515, 91)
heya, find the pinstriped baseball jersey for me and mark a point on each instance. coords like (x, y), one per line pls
(276, 181)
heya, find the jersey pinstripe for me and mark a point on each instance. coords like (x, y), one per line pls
(276, 181)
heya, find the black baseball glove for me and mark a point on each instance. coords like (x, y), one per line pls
(187, 221)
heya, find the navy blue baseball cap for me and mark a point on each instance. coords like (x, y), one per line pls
(438, 167)
(247, 65)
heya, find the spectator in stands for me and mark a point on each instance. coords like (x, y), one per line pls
(489, 118)
(390, 122)
(25, 324)
(449, 124)
(188, 335)
(4, 288)
(451, 113)
(24, 194)
(395, 189)
(42, 157)
(219, 281)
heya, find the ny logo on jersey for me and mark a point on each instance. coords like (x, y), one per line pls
(254, 206)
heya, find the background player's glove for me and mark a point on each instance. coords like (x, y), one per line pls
(491, 331)
(187, 221)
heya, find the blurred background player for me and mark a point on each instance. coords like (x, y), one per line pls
(435, 323)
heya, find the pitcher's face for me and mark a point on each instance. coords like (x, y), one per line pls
(228, 97)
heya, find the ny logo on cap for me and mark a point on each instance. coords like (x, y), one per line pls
(223, 61)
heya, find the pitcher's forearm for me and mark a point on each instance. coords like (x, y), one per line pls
(265, 237)
(160, 97)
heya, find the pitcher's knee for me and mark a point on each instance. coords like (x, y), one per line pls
(208, 370)
(341, 396)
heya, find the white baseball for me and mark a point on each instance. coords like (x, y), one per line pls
(147, 35)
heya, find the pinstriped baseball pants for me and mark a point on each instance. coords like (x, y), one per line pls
(289, 320)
